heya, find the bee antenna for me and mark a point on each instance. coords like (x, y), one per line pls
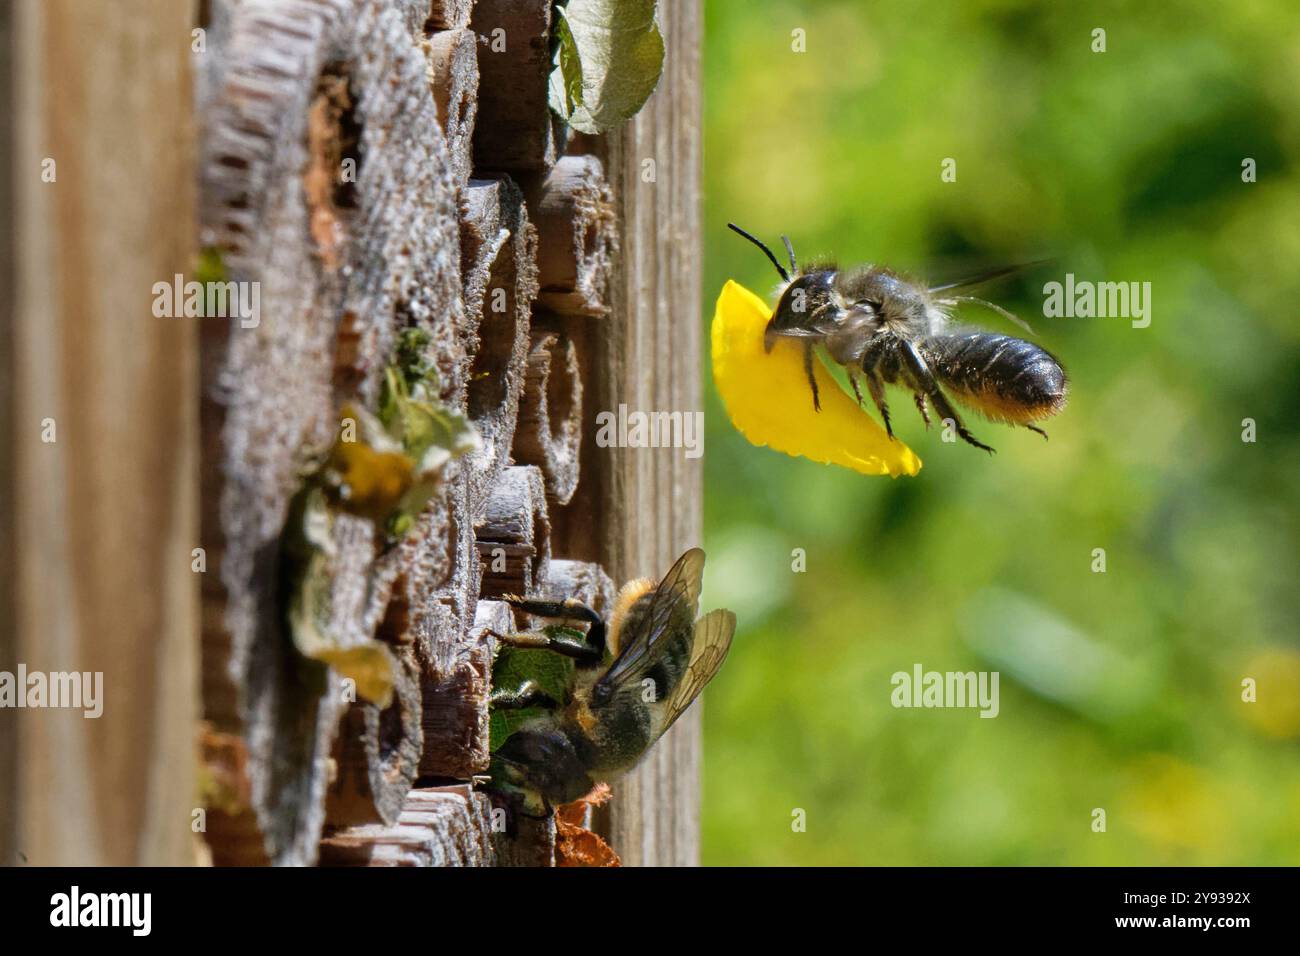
(790, 249)
(768, 252)
(996, 308)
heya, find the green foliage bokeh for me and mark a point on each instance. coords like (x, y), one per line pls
(1119, 690)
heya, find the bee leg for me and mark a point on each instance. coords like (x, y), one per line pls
(923, 377)
(853, 380)
(566, 610)
(920, 407)
(877, 389)
(529, 694)
(580, 651)
(1035, 428)
(812, 380)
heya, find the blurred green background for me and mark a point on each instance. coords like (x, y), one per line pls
(1119, 690)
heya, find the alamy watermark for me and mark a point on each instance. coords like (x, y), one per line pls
(130, 910)
(922, 688)
(70, 690)
(636, 429)
(1082, 299)
(216, 300)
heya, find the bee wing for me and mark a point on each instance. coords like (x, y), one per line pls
(713, 634)
(680, 584)
(988, 275)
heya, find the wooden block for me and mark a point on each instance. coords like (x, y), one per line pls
(504, 315)
(515, 131)
(453, 79)
(514, 533)
(377, 753)
(426, 17)
(482, 236)
(437, 826)
(549, 430)
(456, 702)
(532, 843)
(454, 664)
(577, 229)
(583, 581)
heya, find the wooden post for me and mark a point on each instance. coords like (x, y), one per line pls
(648, 501)
(103, 517)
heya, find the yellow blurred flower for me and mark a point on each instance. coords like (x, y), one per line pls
(1276, 708)
(769, 402)
(1177, 805)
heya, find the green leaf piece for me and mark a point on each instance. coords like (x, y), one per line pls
(309, 555)
(609, 55)
(514, 666)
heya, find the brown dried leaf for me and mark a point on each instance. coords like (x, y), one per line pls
(575, 845)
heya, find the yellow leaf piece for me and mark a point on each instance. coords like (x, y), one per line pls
(370, 665)
(370, 482)
(309, 543)
(769, 401)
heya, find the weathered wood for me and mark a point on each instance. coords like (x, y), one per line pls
(99, 522)
(9, 109)
(424, 17)
(515, 131)
(456, 702)
(503, 312)
(549, 432)
(573, 208)
(377, 753)
(646, 503)
(531, 844)
(438, 826)
(233, 836)
(482, 235)
(312, 93)
(453, 78)
(514, 533)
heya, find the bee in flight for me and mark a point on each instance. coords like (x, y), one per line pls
(631, 679)
(891, 330)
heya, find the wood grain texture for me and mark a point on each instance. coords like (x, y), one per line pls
(572, 206)
(8, 407)
(107, 514)
(344, 264)
(549, 432)
(437, 826)
(647, 502)
(453, 78)
(515, 130)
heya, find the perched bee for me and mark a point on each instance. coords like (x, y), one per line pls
(632, 678)
(894, 331)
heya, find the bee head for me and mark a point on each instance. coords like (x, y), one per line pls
(805, 295)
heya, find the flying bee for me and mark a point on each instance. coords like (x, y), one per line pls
(891, 330)
(631, 679)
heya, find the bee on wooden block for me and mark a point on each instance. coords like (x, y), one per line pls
(892, 331)
(631, 679)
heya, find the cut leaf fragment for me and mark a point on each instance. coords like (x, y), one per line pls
(769, 401)
(310, 553)
(609, 55)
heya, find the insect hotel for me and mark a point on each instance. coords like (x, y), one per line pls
(280, 520)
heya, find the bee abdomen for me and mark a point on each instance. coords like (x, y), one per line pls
(1005, 378)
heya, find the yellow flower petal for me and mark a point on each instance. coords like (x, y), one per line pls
(768, 398)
